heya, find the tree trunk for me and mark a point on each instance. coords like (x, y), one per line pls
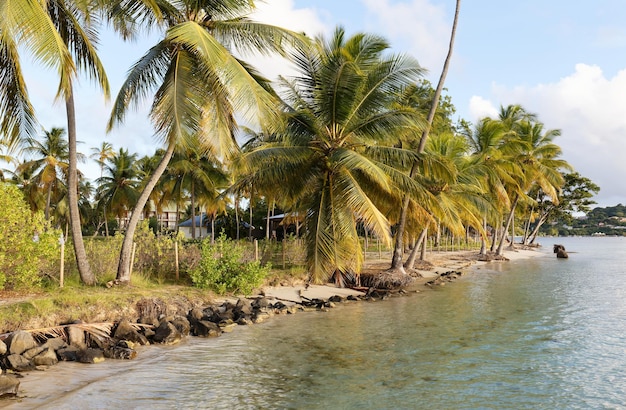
(84, 270)
(410, 262)
(396, 261)
(237, 214)
(193, 211)
(483, 240)
(123, 267)
(48, 198)
(506, 227)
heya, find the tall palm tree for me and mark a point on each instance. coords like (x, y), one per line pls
(331, 160)
(74, 23)
(198, 84)
(533, 150)
(101, 154)
(51, 162)
(117, 188)
(396, 261)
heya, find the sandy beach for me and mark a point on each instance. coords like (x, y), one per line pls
(436, 264)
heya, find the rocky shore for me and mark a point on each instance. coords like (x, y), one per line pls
(160, 322)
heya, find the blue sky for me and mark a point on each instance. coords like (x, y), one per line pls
(563, 60)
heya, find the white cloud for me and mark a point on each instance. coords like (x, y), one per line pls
(416, 27)
(282, 13)
(480, 108)
(588, 108)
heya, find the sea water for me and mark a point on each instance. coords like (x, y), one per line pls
(538, 333)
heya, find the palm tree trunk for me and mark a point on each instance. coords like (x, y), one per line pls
(123, 267)
(483, 240)
(84, 270)
(396, 262)
(506, 227)
(48, 198)
(193, 211)
(410, 262)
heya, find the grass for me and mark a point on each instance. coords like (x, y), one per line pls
(52, 305)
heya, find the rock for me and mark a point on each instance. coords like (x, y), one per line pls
(167, 334)
(55, 343)
(260, 317)
(3, 348)
(76, 337)
(46, 358)
(9, 385)
(120, 351)
(243, 307)
(336, 299)
(19, 363)
(182, 325)
(205, 328)
(20, 341)
(261, 303)
(561, 254)
(195, 314)
(90, 356)
(68, 354)
(125, 331)
(30, 353)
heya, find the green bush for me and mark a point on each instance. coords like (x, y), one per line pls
(221, 269)
(27, 242)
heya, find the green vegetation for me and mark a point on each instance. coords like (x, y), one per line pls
(221, 269)
(27, 243)
(357, 145)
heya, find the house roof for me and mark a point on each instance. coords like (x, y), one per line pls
(187, 223)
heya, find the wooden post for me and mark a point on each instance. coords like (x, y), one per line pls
(176, 259)
(284, 255)
(62, 269)
(256, 250)
(132, 258)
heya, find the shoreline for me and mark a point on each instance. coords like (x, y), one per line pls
(40, 384)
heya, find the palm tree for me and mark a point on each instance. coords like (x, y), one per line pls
(198, 84)
(27, 24)
(74, 24)
(101, 155)
(533, 150)
(396, 262)
(117, 188)
(50, 163)
(331, 159)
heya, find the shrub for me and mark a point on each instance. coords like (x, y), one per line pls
(27, 242)
(221, 269)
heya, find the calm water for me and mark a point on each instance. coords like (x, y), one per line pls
(541, 333)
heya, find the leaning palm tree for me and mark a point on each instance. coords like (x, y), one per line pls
(198, 84)
(332, 160)
(396, 261)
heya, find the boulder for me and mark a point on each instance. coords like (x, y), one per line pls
(561, 254)
(76, 337)
(21, 341)
(90, 356)
(243, 307)
(9, 385)
(46, 358)
(181, 324)
(30, 353)
(68, 354)
(120, 350)
(19, 363)
(125, 331)
(55, 343)
(3, 348)
(167, 334)
(205, 328)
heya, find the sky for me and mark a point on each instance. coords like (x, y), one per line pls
(563, 60)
